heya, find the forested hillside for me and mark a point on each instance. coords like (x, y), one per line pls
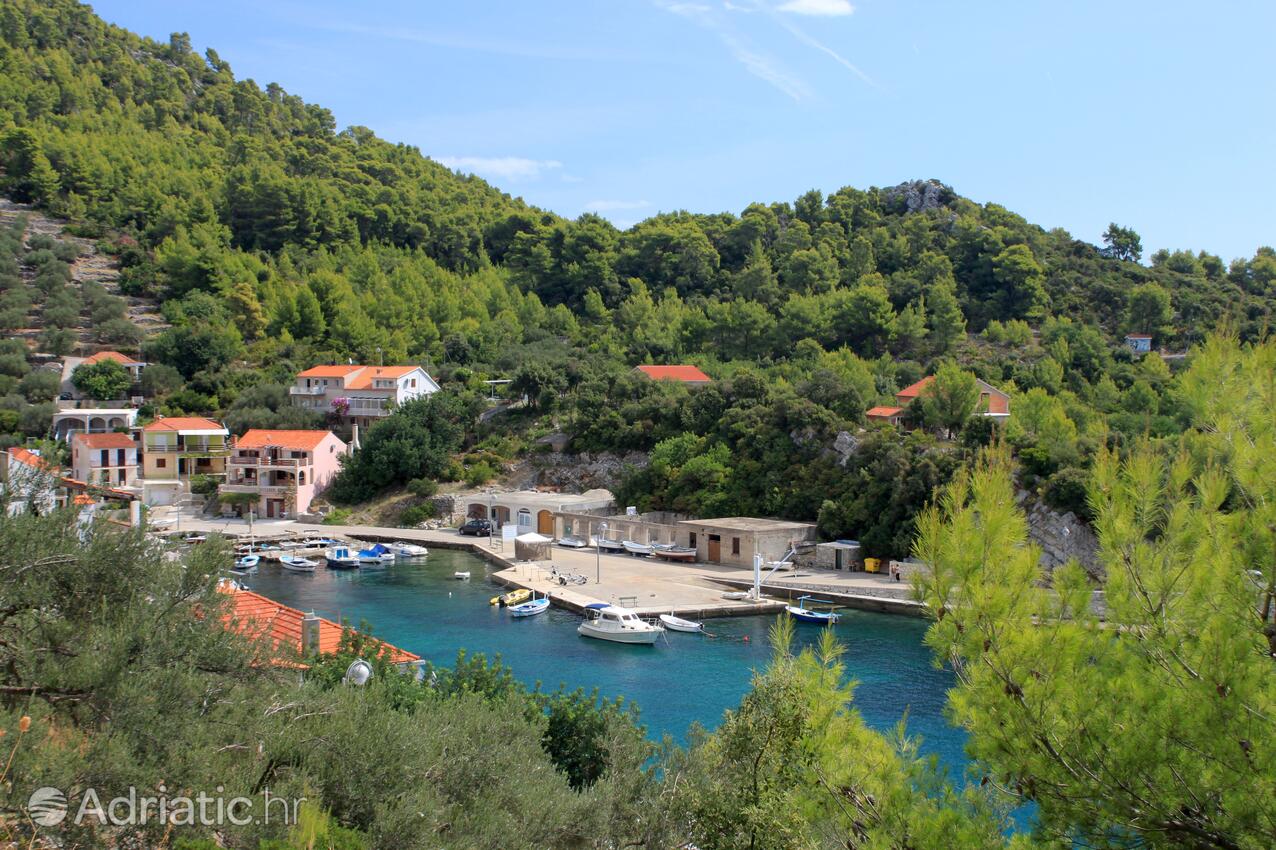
(276, 241)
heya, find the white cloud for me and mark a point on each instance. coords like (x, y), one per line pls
(809, 41)
(817, 8)
(614, 206)
(501, 167)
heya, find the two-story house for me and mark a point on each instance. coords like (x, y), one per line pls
(993, 402)
(110, 459)
(359, 395)
(285, 470)
(176, 448)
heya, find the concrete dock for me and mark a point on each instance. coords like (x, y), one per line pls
(649, 586)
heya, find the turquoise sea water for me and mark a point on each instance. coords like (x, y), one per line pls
(682, 679)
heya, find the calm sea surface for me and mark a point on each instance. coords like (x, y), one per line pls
(683, 679)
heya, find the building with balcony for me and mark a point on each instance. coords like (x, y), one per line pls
(108, 460)
(70, 421)
(284, 470)
(359, 395)
(178, 448)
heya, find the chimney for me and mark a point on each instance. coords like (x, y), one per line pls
(310, 634)
(354, 439)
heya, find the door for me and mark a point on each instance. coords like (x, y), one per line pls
(545, 523)
(715, 548)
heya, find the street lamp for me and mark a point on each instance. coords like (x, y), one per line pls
(598, 554)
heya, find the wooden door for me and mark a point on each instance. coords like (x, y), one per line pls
(715, 548)
(545, 523)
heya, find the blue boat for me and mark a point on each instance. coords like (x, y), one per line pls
(530, 608)
(341, 558)
(810, 615)
(376, 556)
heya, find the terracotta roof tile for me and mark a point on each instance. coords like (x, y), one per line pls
(335, 371)
(882, 411)
(914, 390)
(184, 423)
(122, 359)
(259, 438)
(364, 379)
(111, 440)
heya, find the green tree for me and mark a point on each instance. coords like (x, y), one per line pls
(943, 316)
(103, 380)
(1021, 278)
(1122, 243)
(950, 399)
(1150, 310)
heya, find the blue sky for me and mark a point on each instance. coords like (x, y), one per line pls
(1155, 115)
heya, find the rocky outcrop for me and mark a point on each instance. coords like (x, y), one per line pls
(1061, 537)
(918, 195)
(575, 473)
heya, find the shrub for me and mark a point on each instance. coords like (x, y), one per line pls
(1066, 491)
(417, 514)
(423, 487)
(203, 485)
(479, 474)
(103, 380)
(338, 516)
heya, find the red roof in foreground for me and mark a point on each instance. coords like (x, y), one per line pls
(686, 374)
(883, 412)
(258, 617)
(109, 440)
(28, 457)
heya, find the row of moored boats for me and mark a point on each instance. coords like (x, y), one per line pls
(335, 555)
(667, 551)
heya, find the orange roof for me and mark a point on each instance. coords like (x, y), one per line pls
(111, 440)
(883, 412)
(256, 616)
(328, 371)
(260, 438)
(916, 389)
(364, 379)
(686, 374)
(83, 499)
(110, 355)
(184, 423)
(27, 457)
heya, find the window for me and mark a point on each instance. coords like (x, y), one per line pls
(735, 545)
(413, 385)
(301, 478)
(691, 540)
(161, 462)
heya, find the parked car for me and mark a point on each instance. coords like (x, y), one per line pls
(476, 527)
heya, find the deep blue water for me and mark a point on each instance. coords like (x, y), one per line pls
(684, 678)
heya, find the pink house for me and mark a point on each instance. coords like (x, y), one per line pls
(284, 469)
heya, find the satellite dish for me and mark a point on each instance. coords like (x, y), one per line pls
(358, 673)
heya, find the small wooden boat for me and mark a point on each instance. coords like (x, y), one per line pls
(530, 608)
(247, 565)
(375, 556)
(804, 614)
(514, 597)
(736, 595)
(670, 552)
(677, 624)
(292, 563)
(403, 549)
(609, 545)
(572, 542)
(618, 625)
(341, 558)
(638, 550)
(461, 575)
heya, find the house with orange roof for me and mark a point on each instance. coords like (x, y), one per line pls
(688, 375)
(885, 413)
(177, 448)
(109, 459)
(993, 402)
(359, 395)
(287, 634)
(131, 364)
(29, 483)
(284, 469)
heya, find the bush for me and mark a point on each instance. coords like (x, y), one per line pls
(103, 380)
(479, 474)
(203, 485)
(40, 385)
(338, 516)
(1066, 491)
(423, 488)
(417, 514)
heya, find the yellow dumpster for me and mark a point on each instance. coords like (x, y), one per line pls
(872, 565)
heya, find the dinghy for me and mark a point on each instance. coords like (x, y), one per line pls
(461, 575)
(403, 549)
(247, 565)
(638, 550)
(341, 558)
(572, 542)
(514, 597)
(530, 608)
(810, 615)
(678, 624)
(294, 564)
(670, 552)
(618, 625)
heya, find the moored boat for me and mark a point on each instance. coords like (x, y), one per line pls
(609, 545)
(811, 615)
(618, 625)
(633, 547)
(295, 564)
(677, 624)
(530, 608)
(461, 575)
(403, 549)
(513, 597)
(573, 542)
(375, 556)
(341, 558)
(247, 564)
(670, 552)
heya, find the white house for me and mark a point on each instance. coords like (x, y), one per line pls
(360, 395)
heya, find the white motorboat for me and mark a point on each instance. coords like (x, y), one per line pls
(403, 549)
(609, 545)
(677, 624)
(297, 565)
(619, 625)
(530, 608)
(461, 575)
(572, 542)
(341, 558)
(637, 549)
